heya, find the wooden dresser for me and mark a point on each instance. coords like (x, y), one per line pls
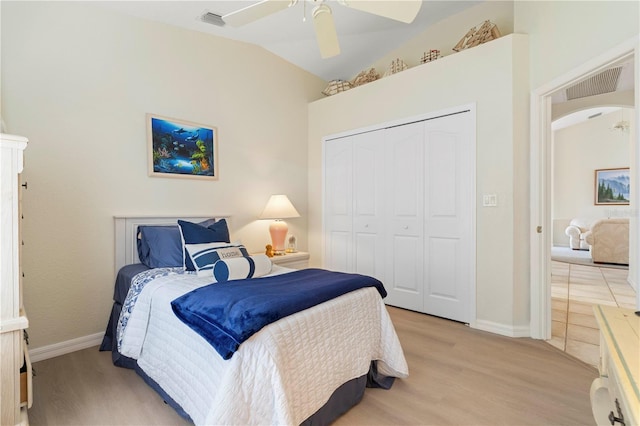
(615, 395)
(15, 386)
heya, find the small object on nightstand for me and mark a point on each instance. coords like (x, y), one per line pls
(269, 250)
(291, 244)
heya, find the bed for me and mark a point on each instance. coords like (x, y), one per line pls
(306, 368)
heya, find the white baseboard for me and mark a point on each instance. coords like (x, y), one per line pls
(62, 348)
(503, 329)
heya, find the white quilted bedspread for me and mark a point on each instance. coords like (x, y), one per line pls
(281, 375)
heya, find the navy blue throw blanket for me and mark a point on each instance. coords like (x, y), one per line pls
(226, 314)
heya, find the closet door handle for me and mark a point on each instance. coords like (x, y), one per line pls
(25, 185)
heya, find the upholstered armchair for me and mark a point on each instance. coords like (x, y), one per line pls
(609, 241)
(575, 231)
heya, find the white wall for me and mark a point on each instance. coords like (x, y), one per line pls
(579, 150)
(499, 88)
(78, 81)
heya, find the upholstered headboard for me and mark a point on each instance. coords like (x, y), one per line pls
(126, 248)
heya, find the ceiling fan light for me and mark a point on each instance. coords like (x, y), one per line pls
(321, 8)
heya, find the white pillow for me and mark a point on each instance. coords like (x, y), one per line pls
(205, 255)
(241, 267)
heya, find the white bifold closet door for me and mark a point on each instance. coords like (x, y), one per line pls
(354, 205)
(399, 207)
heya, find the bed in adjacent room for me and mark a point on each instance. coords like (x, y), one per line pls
(278, 347)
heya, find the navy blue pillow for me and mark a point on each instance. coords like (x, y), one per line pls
(193, 233)
(159, 246)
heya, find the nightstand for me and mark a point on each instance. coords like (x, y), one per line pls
(297, 260)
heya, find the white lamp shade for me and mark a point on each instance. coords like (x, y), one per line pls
(279, 207)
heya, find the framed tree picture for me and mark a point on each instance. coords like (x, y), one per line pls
(182, 149)
(612, 187)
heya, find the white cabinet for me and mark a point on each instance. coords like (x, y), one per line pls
(399, 206)
(13, 320)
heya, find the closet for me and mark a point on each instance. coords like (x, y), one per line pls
(399, 205)
(15, 368)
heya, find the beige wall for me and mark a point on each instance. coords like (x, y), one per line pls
(578, 150)
(566, 34)
(498, 88)
(78, 81)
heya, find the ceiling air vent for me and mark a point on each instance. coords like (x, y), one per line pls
(604, 82)
(212, 18)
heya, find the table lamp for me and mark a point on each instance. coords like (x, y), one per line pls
(278, 207)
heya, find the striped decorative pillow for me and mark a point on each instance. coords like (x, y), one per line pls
(240, 268)
(205, 255)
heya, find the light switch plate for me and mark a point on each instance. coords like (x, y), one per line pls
(489, 200)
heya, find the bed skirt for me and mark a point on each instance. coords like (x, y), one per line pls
(342, 399)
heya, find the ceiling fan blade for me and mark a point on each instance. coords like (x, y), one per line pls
(326, 34)
(400, 10)
(256, 11)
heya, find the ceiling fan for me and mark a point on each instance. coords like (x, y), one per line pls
(403, 11)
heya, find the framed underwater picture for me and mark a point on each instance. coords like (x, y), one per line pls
(182, 149)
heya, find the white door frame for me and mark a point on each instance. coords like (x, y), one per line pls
(540, 178)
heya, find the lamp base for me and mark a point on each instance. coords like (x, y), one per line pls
(278, 230)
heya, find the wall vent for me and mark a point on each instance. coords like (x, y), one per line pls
(604, 82)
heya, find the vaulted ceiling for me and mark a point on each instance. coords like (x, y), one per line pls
(289, 33)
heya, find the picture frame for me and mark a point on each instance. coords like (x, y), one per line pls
(612, 187)
(181, 149)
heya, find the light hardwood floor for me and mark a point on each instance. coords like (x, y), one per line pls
(457, 376)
